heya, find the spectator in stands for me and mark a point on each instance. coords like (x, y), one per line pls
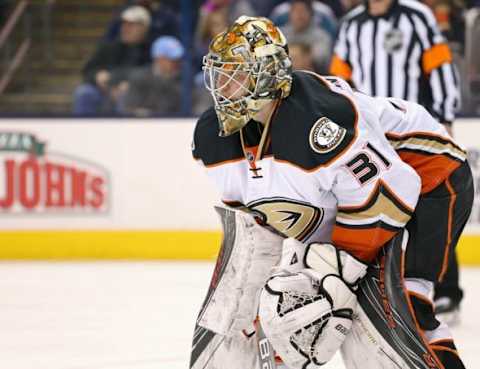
(338, 7)
(323, 16)
(349, 5)
(4, 8)
(264, 8)
(108, 69)
(164, 20)
(201, 98)
(214, 16)
(234, 8)
(450, 19)
(301, 56)
(301, 28)
(156, 90)
(211, 24)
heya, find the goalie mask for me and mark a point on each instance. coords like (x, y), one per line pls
(246, 67)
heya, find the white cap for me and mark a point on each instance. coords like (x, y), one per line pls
(137, 14)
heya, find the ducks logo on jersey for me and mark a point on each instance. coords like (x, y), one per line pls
(290, 217)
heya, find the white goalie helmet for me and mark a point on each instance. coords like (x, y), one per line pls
(246, 67)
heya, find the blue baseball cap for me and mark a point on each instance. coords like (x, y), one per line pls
(168, 47)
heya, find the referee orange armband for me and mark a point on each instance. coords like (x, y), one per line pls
(435, 57)
(340, 68)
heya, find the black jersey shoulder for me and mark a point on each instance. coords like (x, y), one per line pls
(311, 101)
(209, 147)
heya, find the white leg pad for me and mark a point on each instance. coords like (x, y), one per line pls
(245, 263)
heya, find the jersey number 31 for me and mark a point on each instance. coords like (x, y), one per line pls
(364, 167)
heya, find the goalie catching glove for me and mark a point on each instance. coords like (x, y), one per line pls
(307, 314)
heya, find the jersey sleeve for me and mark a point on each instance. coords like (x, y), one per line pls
(400, 117)
(376, 198)
(420, 141)
(376, 191)
(220, 156)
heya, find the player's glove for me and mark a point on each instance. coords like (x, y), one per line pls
(307, 314)
(325, 259)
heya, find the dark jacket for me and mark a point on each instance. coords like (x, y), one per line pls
(118, 58)
(154, 95)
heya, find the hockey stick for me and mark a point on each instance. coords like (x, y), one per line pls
(266, 354)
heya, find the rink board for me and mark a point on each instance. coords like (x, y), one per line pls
(126, 189)
(150, 245)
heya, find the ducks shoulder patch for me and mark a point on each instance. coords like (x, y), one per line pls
(326, 135)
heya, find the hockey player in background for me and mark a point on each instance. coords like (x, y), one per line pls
(310, 157)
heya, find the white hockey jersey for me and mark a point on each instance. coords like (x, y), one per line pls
(321, 170)
(419, 139)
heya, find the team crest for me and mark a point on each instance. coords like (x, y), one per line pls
(326, 135)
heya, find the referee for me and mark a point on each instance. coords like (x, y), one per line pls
(394, 48)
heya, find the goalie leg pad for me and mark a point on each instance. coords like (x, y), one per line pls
(214, 351)
(301, 319)
(245, 262)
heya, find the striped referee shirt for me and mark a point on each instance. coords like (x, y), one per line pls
(398, 54)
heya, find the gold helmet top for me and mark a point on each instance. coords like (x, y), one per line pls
(246, 67)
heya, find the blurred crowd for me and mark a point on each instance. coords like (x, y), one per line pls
(139, 67)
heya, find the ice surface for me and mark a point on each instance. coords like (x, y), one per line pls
(130, 315)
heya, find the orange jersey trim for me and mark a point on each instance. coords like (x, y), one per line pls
(449, 229)
(433, 169)
(436, 56)
(339, 67)
(361, 243)
(364, 241)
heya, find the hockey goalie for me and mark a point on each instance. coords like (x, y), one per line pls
(342, 212)
(275, 303)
